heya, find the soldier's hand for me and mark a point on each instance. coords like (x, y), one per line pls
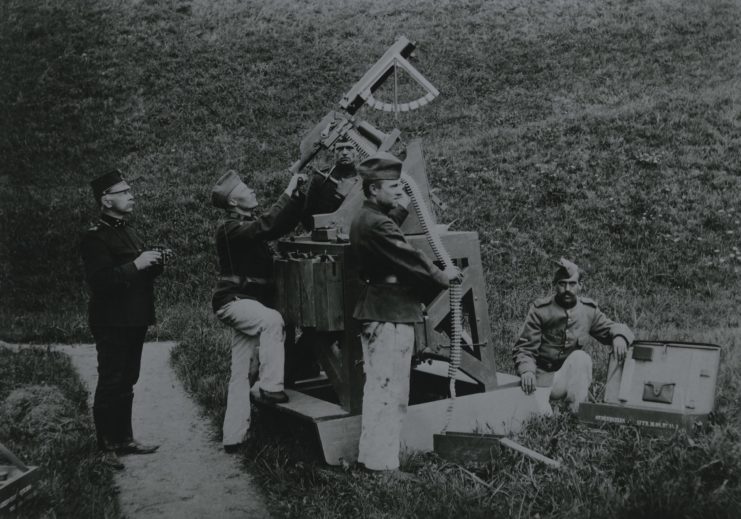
(619, 348)
(296, 181)
(453, 273)
(147, 258)
(527, 381)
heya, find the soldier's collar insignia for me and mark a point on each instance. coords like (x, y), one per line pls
(239, 216)
(110, 221)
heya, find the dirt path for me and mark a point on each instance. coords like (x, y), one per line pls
(189, 476)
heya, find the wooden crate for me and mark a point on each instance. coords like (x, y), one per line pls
(17, 486)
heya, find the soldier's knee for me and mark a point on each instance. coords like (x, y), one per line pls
(273, 320)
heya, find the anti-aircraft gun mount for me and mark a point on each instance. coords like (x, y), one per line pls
(317, 285)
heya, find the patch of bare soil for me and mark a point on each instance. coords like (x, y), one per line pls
(190, 476)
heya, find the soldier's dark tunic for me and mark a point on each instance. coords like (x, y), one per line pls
(384, 255)
(322, 195)
(121, 308)
(245, 257)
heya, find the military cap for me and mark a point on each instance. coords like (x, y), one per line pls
(381, 166)
(566, 269)
(223, 188)
(102, 184)
(343, 142)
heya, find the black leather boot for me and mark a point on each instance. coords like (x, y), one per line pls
(104, 419)
(129, 445)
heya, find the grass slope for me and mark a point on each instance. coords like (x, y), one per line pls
(607, 132)
(44, 420)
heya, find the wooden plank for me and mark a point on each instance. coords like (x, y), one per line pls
(501, 411)
(482, 448)
(339, 439)
(293, 291)
(307, 406)
(306, 291)
(5, 452)
(474, 449)
(328, 294)
(662, 422)
(280, 290)
(331, 363)
(511, 444)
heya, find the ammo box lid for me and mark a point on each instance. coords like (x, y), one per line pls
(668, 376)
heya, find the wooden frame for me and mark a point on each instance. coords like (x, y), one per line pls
(18, 483)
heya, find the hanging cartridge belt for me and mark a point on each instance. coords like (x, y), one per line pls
(454, 292)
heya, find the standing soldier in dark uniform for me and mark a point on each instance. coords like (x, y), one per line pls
(120, 271)
(548, 352)
(328, 189)
(399, 278)
(242, 299)
(325, 194)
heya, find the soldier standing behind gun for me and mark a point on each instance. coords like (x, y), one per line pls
(328, 190)
(120, 272)
(548, 352)
(399, 278)
(242, 296)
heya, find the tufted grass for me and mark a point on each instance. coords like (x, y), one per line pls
(606, 132)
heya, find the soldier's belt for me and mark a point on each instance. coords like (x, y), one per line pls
(550, 365)
(244, 280)
(387, 280)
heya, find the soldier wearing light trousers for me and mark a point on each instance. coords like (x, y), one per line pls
(399, 278)
(548, 352)
(242, 299)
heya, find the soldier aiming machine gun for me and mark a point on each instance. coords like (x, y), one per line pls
(318, 282)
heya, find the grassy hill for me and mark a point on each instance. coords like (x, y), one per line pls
(607, 132)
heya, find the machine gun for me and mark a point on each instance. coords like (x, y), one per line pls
(344, 124)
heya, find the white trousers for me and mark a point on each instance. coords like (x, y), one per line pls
(571, 382)
(387, 356)
(258, 332)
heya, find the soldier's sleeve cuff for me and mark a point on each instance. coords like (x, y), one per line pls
(525, 368)
(628, 340)
(129, 270)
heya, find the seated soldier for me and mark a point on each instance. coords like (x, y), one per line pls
(328, 189)
(548, 352)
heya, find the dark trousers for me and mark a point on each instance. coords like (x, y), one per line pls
(119, 359)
